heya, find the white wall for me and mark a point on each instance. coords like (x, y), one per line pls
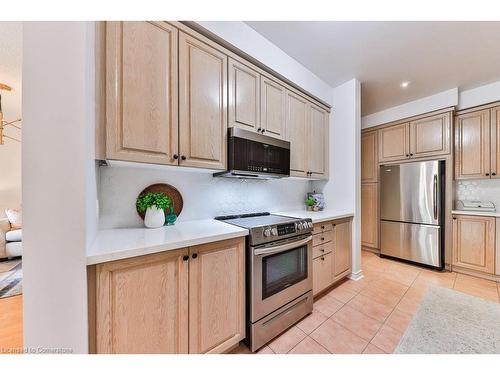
(431, 103)
(479, 95)
(254, 44)
(342, 191)
(204, 196)
(10, 151)
(56, 168)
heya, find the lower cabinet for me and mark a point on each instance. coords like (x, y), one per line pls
(332, 253)
(190, 300)
(474, 243)
(369, 215)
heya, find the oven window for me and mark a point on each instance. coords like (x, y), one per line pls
(282, 270)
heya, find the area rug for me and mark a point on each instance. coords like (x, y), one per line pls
(11, 278)
(450, 322)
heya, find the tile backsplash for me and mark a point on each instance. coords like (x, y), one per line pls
(204, 196)
(484, 190)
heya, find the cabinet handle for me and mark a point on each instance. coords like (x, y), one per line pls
(407, 155)
(185, 258)
(322, 227)
(194, 256)
(183, 157)
(323, 250)
(493, 173)
(454, 218)
(175, 156)
(263, 131)
(259, 129)
(322, 258)
(322, 238)
(411, 154)
(487, 174)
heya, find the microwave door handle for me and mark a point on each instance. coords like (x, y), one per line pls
(434, 197)
(281, 248)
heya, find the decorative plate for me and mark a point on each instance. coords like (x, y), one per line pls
(170, 192)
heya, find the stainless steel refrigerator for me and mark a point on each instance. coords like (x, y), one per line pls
(411, 212)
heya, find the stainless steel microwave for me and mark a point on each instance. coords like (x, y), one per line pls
(253, 155)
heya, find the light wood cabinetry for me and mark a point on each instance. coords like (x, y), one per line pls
(244, 96)
(419, 138)
(332, 253)
(369, 157)
(216, 296)
(495, 142)
(180, 301)
(474, 243)
(497, 255)
(141, 92)
(369, 215)
(297, 114)
(393, 143)
(322, 272)
(142, 304)
(430, 136)
(342, 253)
(317, 140)
(272, 107)
(203, 104)
(472, 145)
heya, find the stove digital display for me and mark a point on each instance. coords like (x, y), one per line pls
(286, 229)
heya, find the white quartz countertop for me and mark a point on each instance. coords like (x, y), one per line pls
(114, 244)
(318, 216)
(476, 213)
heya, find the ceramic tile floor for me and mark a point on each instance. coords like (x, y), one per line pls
(370, 315)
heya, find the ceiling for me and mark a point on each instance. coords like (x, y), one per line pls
(432, 56)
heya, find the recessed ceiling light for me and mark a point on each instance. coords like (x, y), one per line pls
(405, 84)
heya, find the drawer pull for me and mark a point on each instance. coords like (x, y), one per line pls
(322, 258)
(323, 250)
(322, 227)
(322, 238)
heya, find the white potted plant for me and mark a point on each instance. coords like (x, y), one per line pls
(154, 206)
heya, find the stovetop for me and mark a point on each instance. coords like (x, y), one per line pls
(256, 220)
(264, 227)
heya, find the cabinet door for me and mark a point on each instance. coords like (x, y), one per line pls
(244, 96)
(474, 243)
(141, 92)
(472, 145)
(322, 273)
(342, 252)
(369, 157)
(430, 136)
(317, 141)
(216, 296)
(273, 108)
(369, 215)
(297, 110)
(393, 143)
(203, 104)
(142, 304)
(495, 142)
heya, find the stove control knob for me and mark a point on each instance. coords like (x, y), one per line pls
(267, 232)
(300, 226)
(274, 231)
(310, 224)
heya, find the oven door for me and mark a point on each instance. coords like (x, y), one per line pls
(281, 271)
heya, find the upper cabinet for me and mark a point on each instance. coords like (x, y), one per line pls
(393, 143)
(369, 157)
(272, 108)
(421, 138)
(297, 113)
(244, 96)
(167, 94)
(317, 140)
(141, 92)
(476, 144)
(430, 136)
(203, 104)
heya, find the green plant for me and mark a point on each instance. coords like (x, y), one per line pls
(310, 201)
(160, 200)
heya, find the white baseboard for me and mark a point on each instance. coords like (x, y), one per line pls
(356, 275)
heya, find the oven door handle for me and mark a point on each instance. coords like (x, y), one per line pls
(281, 248)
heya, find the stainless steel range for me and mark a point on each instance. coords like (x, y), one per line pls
(279, 273)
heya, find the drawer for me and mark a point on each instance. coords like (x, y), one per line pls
(322, 273)
(322, 227)
(322, 249)
(322, 238)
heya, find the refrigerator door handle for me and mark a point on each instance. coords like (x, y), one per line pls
(434, 196)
